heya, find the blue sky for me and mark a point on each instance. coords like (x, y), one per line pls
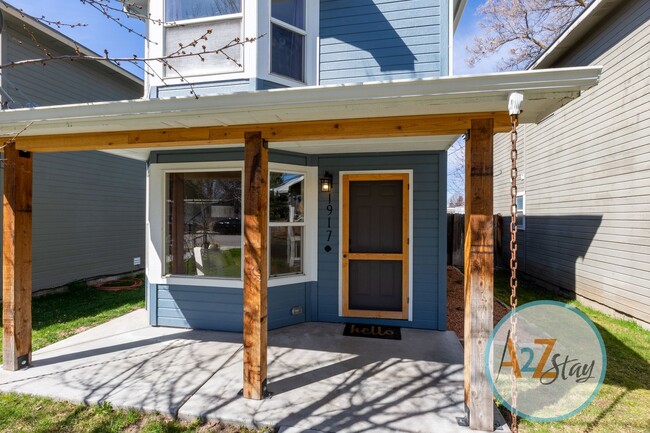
(100, 33)
(468, 28)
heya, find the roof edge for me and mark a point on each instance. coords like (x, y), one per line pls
(586, 21)
(563, 83)
(57, 35)
(459, 8)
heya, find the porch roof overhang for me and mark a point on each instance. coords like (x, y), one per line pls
(380, 110)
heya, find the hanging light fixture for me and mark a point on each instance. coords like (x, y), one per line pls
(326, 182)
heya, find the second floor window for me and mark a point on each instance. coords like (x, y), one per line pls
(188, 20)
(288, 38)
(178, 10)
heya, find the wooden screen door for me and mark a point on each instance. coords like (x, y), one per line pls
(375, 253)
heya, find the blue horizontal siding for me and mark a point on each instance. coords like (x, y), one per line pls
(372, 40)
(203, 89)
(221, 309)
(429, 289)
(230, 154)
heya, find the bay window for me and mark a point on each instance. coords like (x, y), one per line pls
(188, 20)
(202, 224)
(288, 34)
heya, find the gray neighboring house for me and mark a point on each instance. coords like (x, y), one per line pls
(89, 207)
(585, 170)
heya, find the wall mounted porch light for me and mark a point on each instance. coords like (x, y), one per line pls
(326, 182)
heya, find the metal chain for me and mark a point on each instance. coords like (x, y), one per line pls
(514, 120)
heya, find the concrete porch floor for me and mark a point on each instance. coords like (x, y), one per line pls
(320, 380)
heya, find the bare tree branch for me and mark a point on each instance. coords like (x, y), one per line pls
(523, 28)
(106, 58)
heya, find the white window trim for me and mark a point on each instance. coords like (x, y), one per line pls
(340, 264)
(310, 56)
(256, 21)
(248, 18)
(310, 231)
(155, 214)
(521, 222)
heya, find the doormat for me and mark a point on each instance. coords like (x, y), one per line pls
(372, 331)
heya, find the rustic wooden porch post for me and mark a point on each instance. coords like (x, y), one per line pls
(17, 260)
(479, 272)
(256, 172)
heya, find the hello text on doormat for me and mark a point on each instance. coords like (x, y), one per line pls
(372, 331)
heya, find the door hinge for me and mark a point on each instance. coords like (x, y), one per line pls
(408, 300)
(408, 241)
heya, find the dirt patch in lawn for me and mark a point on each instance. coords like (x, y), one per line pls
(456, 303)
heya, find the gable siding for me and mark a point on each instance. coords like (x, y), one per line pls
(58, 82)
(587, 181)
(88, 207)
(374, 40)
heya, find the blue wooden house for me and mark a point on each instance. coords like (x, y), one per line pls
(307, 181)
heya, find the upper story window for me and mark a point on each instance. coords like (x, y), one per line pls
(189, 20)
(288, 34)
(177, 10)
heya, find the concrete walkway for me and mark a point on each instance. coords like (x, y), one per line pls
(321, 380)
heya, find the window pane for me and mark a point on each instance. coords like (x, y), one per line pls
(286, 250)
(176, 10)
(520, 202)
(223, 33)
(285, 198)
(204, 224)
(290, 11)
(287, 53)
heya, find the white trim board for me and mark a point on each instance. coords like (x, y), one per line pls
(544, 91)
(340, 253)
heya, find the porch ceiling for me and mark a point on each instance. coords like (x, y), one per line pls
(373, 110)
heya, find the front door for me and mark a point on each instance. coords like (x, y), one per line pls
(375, 245)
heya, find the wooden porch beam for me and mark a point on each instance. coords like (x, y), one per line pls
(404, 126)
(256, 185)
(17, 260)
(479, 272)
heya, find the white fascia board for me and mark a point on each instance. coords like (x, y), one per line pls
(49, 31)
(459, 8)
(446, 95)
(586, 21)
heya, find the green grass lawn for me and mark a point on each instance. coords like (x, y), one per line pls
(623, 403)
(27, 414)
(60, 315)
(56, 317)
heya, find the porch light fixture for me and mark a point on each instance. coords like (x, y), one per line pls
(326, 182)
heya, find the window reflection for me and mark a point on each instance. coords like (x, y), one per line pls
(204, 224)
(287, 223)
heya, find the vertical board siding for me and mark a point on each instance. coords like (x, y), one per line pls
(372, 40)
(427, 246)
(586, 174)
(88, 207)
